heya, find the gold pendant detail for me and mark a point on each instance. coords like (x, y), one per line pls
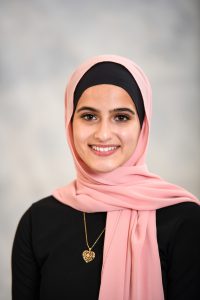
(88, 255)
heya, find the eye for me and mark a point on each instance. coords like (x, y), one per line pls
(122, 118)
(88, 117)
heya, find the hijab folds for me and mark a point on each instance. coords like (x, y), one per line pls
(130, 195)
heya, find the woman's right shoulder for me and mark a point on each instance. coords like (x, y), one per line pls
(49, 203)
(45, 210)
(37, 228)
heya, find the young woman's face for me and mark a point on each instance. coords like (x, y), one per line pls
(105, 127)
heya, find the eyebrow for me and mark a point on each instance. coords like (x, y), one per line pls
(119, 109)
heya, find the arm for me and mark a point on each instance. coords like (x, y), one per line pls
(25, 271)
(184, 258)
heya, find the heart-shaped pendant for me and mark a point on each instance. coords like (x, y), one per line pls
(88, 255)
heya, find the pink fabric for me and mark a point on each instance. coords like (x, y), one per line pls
(130, 194)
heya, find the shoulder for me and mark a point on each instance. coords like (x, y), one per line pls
(44, 218)
(178, 224)
(178, 213)
(50, 205)
(23, 234)
(47, 202)
(178, 229)
(44, 212)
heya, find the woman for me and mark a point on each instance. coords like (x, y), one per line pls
(117, 231)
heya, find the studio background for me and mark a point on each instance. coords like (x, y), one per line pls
(41, 44)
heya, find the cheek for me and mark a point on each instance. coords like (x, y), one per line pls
(76, 134)
(80, 135)
(130, 135)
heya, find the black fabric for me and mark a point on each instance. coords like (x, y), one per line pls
(111, 73)
(47, 262)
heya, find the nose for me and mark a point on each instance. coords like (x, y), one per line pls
(103, 131)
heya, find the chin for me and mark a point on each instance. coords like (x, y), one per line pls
(103, 169)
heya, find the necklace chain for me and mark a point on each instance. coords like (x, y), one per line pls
(86, 236)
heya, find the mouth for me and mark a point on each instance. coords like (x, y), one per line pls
(104, 150)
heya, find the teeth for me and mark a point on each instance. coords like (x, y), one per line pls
(103, 149)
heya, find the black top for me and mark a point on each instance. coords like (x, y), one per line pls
(47, 261)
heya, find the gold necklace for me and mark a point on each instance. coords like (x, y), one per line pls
(89, 255)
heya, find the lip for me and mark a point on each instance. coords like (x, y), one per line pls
(107, 153)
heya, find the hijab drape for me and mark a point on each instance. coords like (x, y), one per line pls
(130, 195)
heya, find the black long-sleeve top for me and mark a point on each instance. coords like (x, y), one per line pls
(47, 261)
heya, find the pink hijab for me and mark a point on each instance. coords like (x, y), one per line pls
(130, 195)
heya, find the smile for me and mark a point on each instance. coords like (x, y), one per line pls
(103, 150)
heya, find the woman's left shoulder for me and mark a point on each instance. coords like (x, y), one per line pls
(184, 211)
(188, 214)
(178, 230)
(182, 218)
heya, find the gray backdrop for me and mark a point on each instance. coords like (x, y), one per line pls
(41, 43)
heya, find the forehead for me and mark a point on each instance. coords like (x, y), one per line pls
(105, 95)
